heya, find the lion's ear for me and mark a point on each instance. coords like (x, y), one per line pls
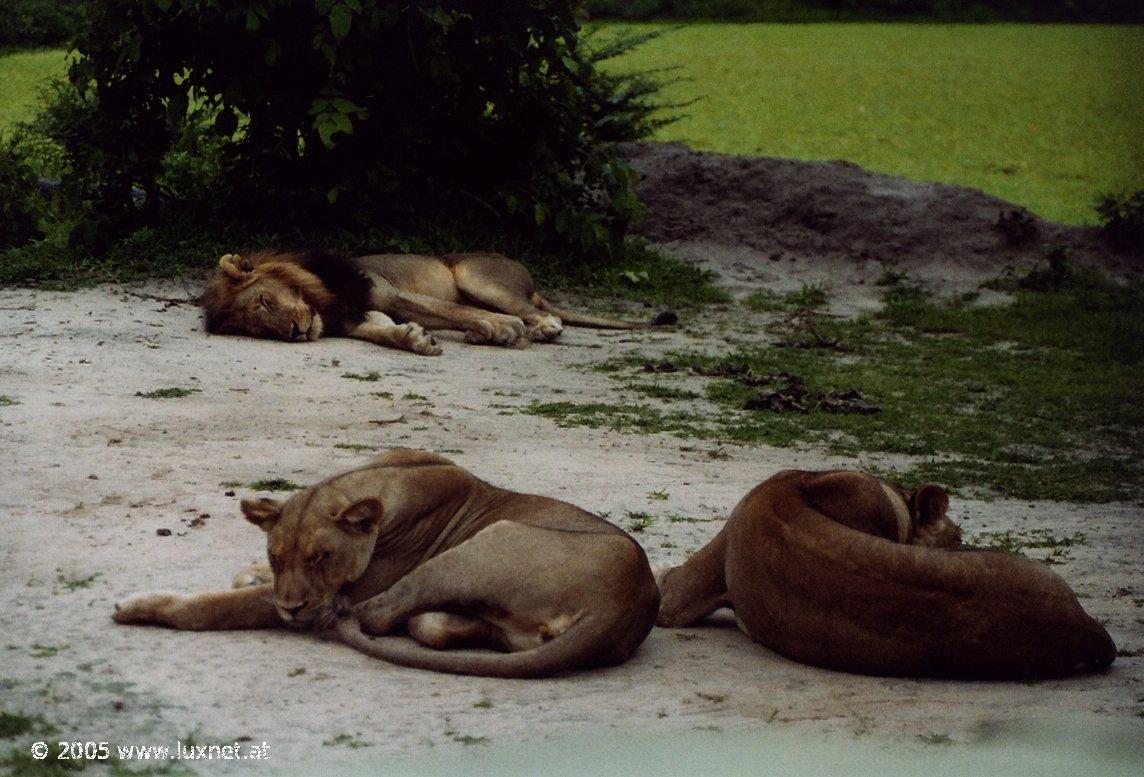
(263, 513)
(361, 517)
(235, 267)
(930, 503)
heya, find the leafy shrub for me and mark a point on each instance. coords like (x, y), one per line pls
(38, 22)
(346, 114)
(20, 208)
(1122, 217)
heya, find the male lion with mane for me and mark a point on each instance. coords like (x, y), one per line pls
(388, 299)
(413, 542)
(845, 571)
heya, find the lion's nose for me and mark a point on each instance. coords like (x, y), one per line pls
(295, 332)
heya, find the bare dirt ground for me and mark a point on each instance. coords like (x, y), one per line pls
(107, 493)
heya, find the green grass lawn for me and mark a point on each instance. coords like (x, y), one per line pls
(1046, 116)
(22, 75)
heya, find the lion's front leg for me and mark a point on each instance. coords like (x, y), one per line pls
(240, 608)
(381, 329)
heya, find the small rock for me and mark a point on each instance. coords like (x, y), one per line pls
(163, 532)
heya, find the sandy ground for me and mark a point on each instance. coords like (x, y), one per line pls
(97, 475)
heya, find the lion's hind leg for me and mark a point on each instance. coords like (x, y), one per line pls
(444, 630)
(502, 284)
(480, 580)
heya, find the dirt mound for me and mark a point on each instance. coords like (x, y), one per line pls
(758, 213)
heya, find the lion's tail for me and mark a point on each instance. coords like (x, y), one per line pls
(567, 651)
(664, 318)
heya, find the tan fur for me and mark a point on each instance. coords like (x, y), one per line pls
(412, 541)
(488, 296)
(815, 568)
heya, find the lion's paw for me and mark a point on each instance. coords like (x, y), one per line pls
(147, 608)
(375, 618)
(421, 341)
(496, 329)
(255, 574)
(481, 333)
(507, 330)
(545, 329)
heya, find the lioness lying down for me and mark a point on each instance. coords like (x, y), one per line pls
(842, 570)
(414, 541)
(388, 299)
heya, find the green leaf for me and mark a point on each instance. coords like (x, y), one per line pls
(342, 123)
(341, 16)
(163, 5)
(342, 105)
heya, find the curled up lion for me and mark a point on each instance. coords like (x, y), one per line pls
(845, 571)
(411, 542)
(388, 299)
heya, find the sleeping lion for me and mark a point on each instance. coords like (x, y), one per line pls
(388, 299)
(525, 585)
(845, 571)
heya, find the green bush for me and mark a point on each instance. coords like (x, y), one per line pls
(38, 22)
(343, 114)
(1122, 217)
(20, 208)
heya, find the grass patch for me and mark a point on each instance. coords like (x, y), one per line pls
(638, 521)
(1045, 116)
(70, 584)
(356, 447)
(173, 392)
(1036, 399)
(1019, 541)
(619, 416)
(14, 724)
(367, 377)
(811, 295)
(6, 401)
(933, 738)
(274, 484)
(24, 75)
(345, 740)
(660, 391)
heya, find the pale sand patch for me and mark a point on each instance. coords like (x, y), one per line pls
(94, 471)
